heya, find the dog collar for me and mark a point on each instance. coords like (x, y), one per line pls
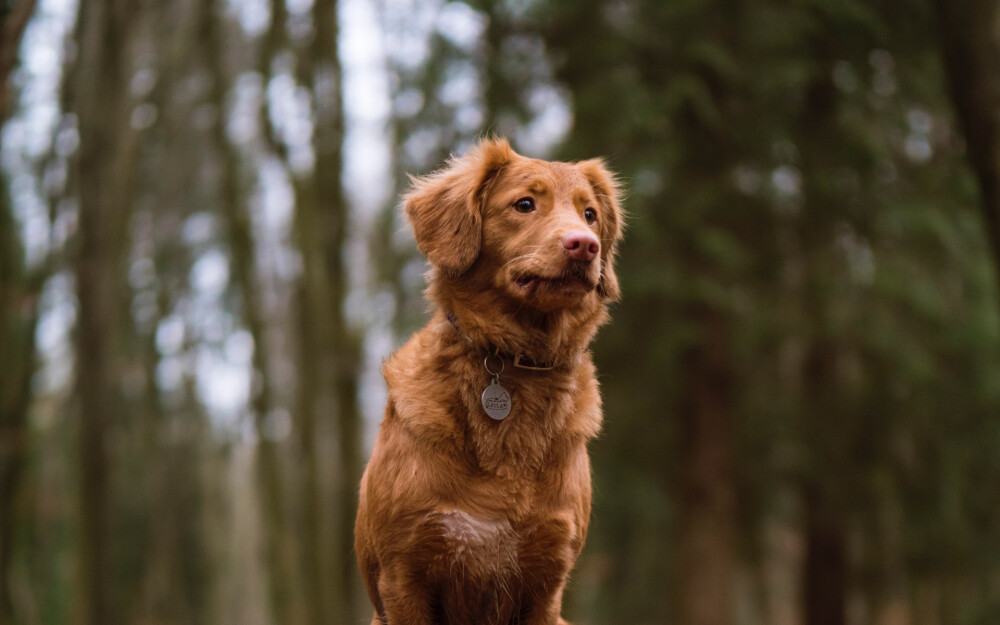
(519, 360)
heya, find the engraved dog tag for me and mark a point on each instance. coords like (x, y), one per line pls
(496, 401)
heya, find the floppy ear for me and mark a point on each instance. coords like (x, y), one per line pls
(445, 207)
(608, 193)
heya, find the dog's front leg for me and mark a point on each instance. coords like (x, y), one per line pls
(406, 600)
(545, 610)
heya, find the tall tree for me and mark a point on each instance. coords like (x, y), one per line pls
(329, 355)
(971, 45)
(104, 173)
(325, 198)
(19, 292)
(278, 543)
(164, 531)
(14, 18)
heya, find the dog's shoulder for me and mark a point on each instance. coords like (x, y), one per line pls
(423, 397)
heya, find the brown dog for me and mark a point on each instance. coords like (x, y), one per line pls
(476, 501)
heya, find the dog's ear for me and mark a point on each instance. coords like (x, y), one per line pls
(608, 192)
(446, 209)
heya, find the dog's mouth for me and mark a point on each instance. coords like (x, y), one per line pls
(572, 281)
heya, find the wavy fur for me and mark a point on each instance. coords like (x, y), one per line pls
(464, 520)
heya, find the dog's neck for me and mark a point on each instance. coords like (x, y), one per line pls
(519, 360)
(486, 321)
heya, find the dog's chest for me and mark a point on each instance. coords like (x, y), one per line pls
(491, 546)
(485, 566)
(519, 446)
(484, 547)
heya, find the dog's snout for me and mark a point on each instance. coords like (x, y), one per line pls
(581, 245)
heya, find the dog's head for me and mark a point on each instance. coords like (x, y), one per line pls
(542, 233)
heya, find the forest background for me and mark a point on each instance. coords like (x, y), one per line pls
(202, 265)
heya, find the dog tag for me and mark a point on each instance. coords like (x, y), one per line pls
(496, 401)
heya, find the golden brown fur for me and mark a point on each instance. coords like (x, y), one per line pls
(464, 520)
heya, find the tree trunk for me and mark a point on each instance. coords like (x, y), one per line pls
(315, 351)
(825, 571)
(18, 318)
(825, 583)
(328, 198)
(824, 434)
(328, 352)
(14, 17)
(104, 163)
(707, 505)
(971, 48)
(97, 391)
(312, 542)
(279, 553)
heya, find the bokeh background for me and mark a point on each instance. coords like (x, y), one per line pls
(202, 265)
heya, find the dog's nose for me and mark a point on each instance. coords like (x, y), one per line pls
(581, 245)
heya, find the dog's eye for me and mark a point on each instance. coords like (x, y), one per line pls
(524, 205)
(590, 215)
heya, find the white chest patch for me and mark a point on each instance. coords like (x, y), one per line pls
(477, 545)
(461, 527)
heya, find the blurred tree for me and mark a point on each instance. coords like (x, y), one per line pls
(20, 286)
(279, 550)
(174, 440)
(329, 354)
(322, 72)
(19, 292)
(327, 343)
(426, 128)
(971, 46)
(105, 172)
(14, 18)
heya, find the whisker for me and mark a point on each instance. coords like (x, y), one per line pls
(516, 259)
